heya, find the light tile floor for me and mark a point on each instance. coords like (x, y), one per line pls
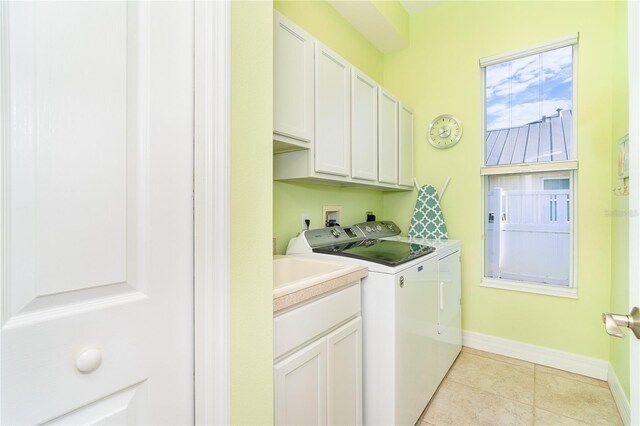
(488, 389)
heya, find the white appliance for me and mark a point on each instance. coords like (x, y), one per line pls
(410, 311)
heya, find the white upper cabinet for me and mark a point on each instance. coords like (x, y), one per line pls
(387, 137)
(405, 153)
(364, 127)
(333, 124)
(292, 84)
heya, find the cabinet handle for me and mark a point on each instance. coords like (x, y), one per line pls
(441, 291)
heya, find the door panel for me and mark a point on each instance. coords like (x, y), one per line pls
(344, 374)
(293, 80)
(387, 137)
(301, 387)
(97, 211)
(364, 127)
(405, 146)
(333, 121)
(66, 186)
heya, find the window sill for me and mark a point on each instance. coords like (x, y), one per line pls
(547, 290)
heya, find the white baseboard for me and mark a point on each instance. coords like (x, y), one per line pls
(554, 358)
(619, 396)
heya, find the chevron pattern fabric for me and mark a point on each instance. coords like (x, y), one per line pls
(427, 220)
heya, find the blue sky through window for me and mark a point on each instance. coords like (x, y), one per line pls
(523, 90)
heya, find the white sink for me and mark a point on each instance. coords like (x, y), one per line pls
(291, 273)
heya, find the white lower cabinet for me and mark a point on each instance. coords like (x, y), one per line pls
(344, 374)
(301, 387)
(320, 382)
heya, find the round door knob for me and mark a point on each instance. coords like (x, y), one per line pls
(89, 361)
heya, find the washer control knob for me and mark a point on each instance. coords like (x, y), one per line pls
(335, 232)
(379, 228)
(368, 228)
(390, 226)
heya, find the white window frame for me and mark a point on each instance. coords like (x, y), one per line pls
(571, 165)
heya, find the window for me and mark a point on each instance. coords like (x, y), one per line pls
(529, 169)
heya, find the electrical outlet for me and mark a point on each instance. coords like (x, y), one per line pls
(305, 217)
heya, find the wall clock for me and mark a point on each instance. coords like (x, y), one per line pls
(444, 131)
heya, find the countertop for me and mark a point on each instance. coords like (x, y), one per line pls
(301, 291)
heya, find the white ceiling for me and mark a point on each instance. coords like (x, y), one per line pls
(415, 6)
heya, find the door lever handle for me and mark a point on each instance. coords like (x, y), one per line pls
(612, 323)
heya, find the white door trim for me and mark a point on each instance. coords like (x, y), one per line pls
(212, 212)
(634, 197)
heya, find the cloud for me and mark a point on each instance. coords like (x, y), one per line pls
(525, 89)
(500, 116)
(514, 77)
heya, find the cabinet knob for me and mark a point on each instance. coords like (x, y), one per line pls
(89, 361)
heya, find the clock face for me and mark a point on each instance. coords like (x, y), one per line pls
(444, 131)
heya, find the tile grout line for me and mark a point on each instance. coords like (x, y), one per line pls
(503, 362)
(486, 392)
(565, 378)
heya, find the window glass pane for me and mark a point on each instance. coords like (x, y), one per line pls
(551, 184)
(528, 108)
(527, 227)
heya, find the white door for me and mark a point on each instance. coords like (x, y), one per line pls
(405, 146)
(344, 374)
(97, 275)
(301, 386)
(364, 127)
(634, 199)
(387, 137)
(333, 121)
(293, 80)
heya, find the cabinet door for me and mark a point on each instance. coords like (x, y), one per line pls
(344, 375)
(292, 81)
(405, 151)
(301, 387)
(387, 137)
(364, 127)
(333, 129)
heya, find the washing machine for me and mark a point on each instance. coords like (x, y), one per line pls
(411, 312)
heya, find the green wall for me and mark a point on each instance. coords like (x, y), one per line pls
(619, 348)
(291, 200)
(324, 23)
(439, 73)
(251, 175)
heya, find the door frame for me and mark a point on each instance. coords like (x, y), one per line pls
(212, 212)
(634, 198)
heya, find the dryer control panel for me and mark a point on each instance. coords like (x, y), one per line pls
(379, 229)
(341, 234)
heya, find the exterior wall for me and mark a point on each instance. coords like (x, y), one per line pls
(439, 73)
(291, 200)
(251, 174)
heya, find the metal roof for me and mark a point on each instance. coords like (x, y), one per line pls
(548, 139)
